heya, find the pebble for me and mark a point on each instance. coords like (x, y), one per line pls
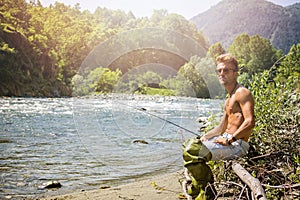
(50, 185)
(140, 141)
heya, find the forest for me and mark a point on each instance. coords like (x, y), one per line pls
(61, 51)
(44, 48)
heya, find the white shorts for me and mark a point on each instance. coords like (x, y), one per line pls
(221, 152)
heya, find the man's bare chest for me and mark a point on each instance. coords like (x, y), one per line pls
(232, 106)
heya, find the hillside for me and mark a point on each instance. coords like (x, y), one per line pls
(43, 48)
(224, 21)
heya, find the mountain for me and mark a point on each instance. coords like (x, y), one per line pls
(229, 18)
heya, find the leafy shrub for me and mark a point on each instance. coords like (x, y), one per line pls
(274, 156)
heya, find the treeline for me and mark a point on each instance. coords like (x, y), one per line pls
(43, 51)
(196, 77)
(42, 48)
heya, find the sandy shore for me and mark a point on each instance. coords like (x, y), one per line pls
(166, 187)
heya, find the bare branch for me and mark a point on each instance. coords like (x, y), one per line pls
(252, 182)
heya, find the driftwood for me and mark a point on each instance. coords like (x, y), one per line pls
(253, 183)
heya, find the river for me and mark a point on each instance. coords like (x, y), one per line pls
(87, 142)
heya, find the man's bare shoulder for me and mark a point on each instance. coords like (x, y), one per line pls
(243, 94)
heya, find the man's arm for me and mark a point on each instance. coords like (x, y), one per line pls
(218, 130)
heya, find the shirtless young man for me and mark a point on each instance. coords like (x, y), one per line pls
(229, 139)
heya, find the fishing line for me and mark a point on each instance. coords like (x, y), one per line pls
(145, 111)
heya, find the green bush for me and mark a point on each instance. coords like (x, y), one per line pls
(277, 107)
(274, 156)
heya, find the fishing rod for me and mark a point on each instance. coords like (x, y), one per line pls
(145, 111)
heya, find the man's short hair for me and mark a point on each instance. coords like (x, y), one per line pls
(227, 59)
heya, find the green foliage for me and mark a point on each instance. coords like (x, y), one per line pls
(183, 26)
(46, 45)
(99, 80)
(290, 75)
(254, 53)
(276, 135)
(179, 85)
(80, 86)
(276, 115)
(156, 91)
(200, 75)
(194, 77)
(215, 50)
(138, 82)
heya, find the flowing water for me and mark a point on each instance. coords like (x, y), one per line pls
(87, 142)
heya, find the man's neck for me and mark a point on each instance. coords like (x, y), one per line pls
(231, 88)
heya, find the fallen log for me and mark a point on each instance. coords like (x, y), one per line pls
(253, 183)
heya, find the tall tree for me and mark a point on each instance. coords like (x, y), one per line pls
(289, 69)
(215, 50)
(253, 53)
(194, 77)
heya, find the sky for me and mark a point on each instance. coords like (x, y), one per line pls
(144, 8)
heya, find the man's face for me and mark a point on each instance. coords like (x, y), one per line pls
(227, 74)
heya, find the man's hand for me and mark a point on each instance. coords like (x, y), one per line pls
(222, 141)
(203, 138)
